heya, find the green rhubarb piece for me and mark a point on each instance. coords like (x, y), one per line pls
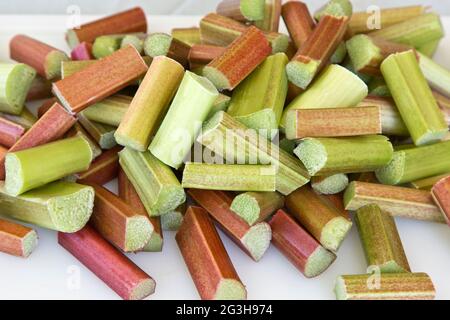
(103, 134)
(336, 87)
(61, 206)
(429, 48)
(221, 104)
(70, 67)
(337, 8)
(15, 81)
(190, 107)
(172, 220)
(157, 44)
(109, 111)
(256, 207)
(325, 156)
(157, 186)
(437, 76)
(414, 99)
(412, 164)
(331, 184)
(106, 45)
(136, 40)
(340, 54)
(155, 243)
(259, 100)
(31, 168)
(253, 10)
(362, 51)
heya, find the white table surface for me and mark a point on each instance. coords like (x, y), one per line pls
(52, 273)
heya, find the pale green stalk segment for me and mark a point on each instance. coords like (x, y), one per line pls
(256, 207)
(106, 45)
(103, 134)
(331, 184)
(25, 119)
(340, 54)
(52, 64)
(253, 10)
(337, 8)
(230, 177)
(335, 87)
(180, 127)
(272, 13)
(325, 156)
(172, 220)
(221, 104)
(380, 240)
(379, 88)
(414, 98)
(362, 51)
(416, 163)
(190, 36)
(437, 76)
(157, 44)
(258, 101)
(136, 40)
(228, 139)
(414, 32)
(429, 48)
(35, 167)
(156, 184)
(70, 67)
(428, 183)
(15, 81)
(109, 111)
(61, 206)
(155, 243)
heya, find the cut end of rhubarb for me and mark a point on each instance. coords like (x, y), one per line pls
(431, 137)
(155, 244)
(264, 120)
(138, 232)
(334, 233)
(362, 51)
(392, 173)
(392, 267)
(318, 262)
(278, 41)
(157, 44)
(246, 206)
(312, 154)
(336, 8)
(29, 243)
(257, 240)
(169, 199)
(14, 175)
(230, 289)
(340, 289)
(143, 289)
(331, 184)
(126, 141)
(72, 38)
(53, 64)
(18, 83)
(253, 10)
(302, 73)
(107, 140)
(349, 194)
(172, 221)
(219, 80)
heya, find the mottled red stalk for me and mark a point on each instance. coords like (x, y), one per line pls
(45, 106)
(202, 54)
(10, 132)
(441, 195)
(298, 20)
(83, 51)
(103, 169)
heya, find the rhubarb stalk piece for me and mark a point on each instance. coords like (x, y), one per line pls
(222, 31)
(78, 131)
(82, 51)
(109, 111)
(392, 286)
(15, 82)
(440, 193)
(428, 183)
(253, 240)
(229, 177)
(344, 89)
(242, 10)
(106, 45)
(25, 119)
(202, 54)
(272, 14)
(242, 56)
(161, 44)
(46, 60)
(256, 207)
(380, 240)
(222, 131)
(298, 246)
(414, 98)
(118, 222)
(430, 48)
(100, 80)
(37, 166)
(157, 186)
(221, 104)
(61, 206)
(103, 169)
(179, 129)
(336, 122)
(16, 239)
(398, 201)
(40, 88)
(128, 193)
(172, 220)
(331, 184)
(190, 36)
(437, 76)
(299, 21)
(50, 127)
(129, 21)
(258, 101)
(109, 264)
(335, 8)
(149, 105)
(319, 216)
(10, 132)
(213, 272)
(367, 53)
(136, 40)
(315, 53)
(103, 134)
(416, 163)
(324, 156)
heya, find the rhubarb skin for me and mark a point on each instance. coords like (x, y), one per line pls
(129, 21)
(298, 246)
(272, 15)
(298, 20)
(253, 240)
(83, 51)
(10, 132)
(242, 56)
(441, 196)
(41, 88)
(103, 169)
(17, 240)
(106, 262)
(202, 54)
(50, 127)
(212, 271)
(100, 80)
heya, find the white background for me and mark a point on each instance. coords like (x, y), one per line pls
(49, 272)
